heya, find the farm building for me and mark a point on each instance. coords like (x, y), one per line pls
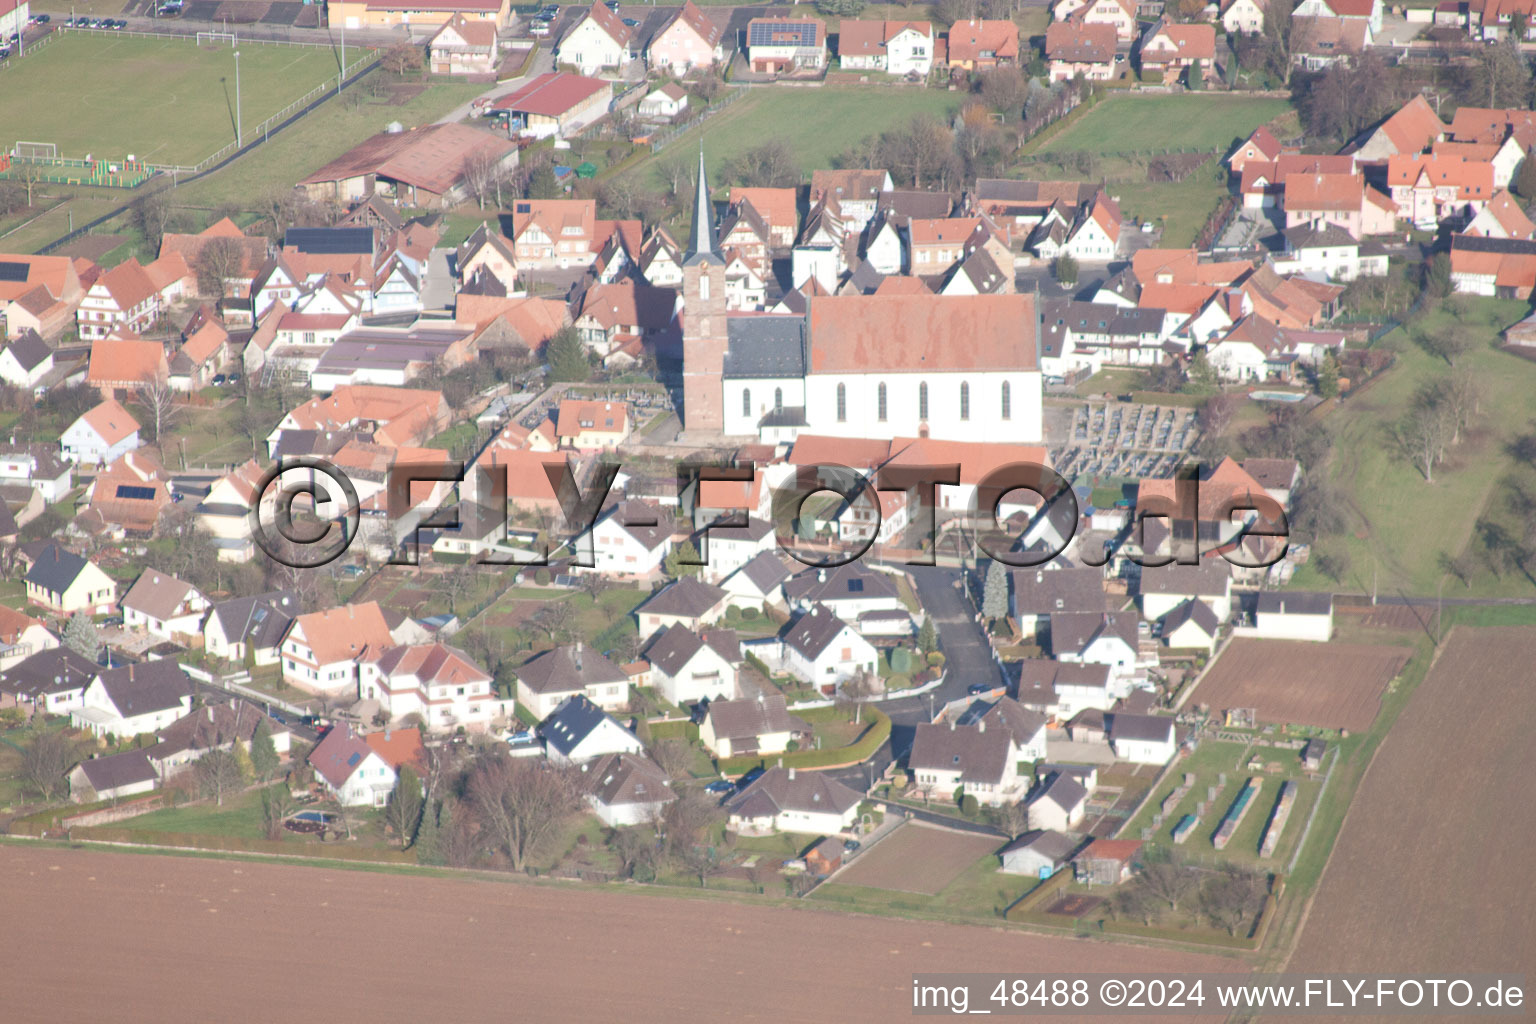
(558, 103)
(415, 13)
(1107, 861)
(1039, 853)
(422, 166)
(1298, 616)
(112, 777)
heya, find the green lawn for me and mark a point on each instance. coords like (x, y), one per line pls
(78, 91)
(1152, 123)
(817, 124)
(1181, 207)
(980, 893)
(1402, 524)
(239, 816)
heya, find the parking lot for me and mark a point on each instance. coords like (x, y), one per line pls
(1113, 439)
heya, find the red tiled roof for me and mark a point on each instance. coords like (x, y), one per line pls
(921, 334)
(118, 362)
(968, 39)
(1336, 192)
(1080, 43)
(552, 94)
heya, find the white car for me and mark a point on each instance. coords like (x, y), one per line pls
(539, 28)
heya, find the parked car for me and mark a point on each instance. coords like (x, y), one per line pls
(539, 28)
(234, 378)
(976, 688)
(749, 778)
(851, 845)
(219, 380)
(631, 22)
(720, 787)
(43, 19)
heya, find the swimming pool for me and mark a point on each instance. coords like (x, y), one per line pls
(1277, 396)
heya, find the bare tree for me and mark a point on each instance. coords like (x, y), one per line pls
(685, 822)
(44, 762)
(403, 812)
(678, 171)
(674, 757)
(1167, 876)
(519, 803)
(636, 850)
(1133, 901)
(1013, 818)
(1423, 435)
(159, 399)
(275, 808)
(1450, 342)
(770, 165)
(485, 175)
(217, 260)
(218, 773)
(455, 583)
(856, 689)
(402, 58)
(1233, 896)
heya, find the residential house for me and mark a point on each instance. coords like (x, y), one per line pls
(1432, 188)
(1368, 11)
(51, 680)
(114, 777)
(1105, 638)
(895, 47)
(164, 606)
(486, 254)
(1343, 200)
(1025, 726)
(1285, 615)
(689, 40)
(433, 680)
(22, 636)
(853, 193)
(685, 602)
(783, 800)
(225, 514)
(64, 583)
(1413, 128)
(1038, 853)
(123, 363)
(626, 789)
(351, 770)
(1243, 16)
(1259, 148)
(250, 630)
(631, 538)
(851, 591)
(1502, 217)
(1318, 43)
(129, 495)
(689, 666)
(664, 103)
(38, 467)
(387, 14)
(323, 651)
(1117, 14)
(1502, 267)
(133, 699)
(39, 293)
(546, 680)
(25, 360)
(240, 258)
(598, 40)
(557, 104)
(1059, 803)
(201, 355)
(578, 730)
(823, 650)
(1177, 49)
(591, 426)
(778, 207)
(978, 45)
(946, 758)
(1076, 50)
(661, 260)
(1331, 252)
(1040, 593)
(463, 47)
(124, 298)
(751, 726)
(1192, 625)
(786, 45)
(1142, 739)
(757, 584)
(220, 725)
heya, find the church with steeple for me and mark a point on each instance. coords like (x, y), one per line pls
(947, 367)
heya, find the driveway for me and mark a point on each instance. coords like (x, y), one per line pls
(437, 290)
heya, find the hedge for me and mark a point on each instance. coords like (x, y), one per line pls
(861, 749)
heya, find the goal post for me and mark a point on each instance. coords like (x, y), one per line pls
(35, 151)
(213, 38)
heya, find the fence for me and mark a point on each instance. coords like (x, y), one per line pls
(240, 34)
(665, 138)
(28, 50)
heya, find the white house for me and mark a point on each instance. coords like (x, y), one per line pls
(101, 435)
(850, 591)
(22, 636)
(351, 770)
(687, 666)
(1142, 739)
(437, 682)
(626, 789)
(727, 548)
(114, 777)
(1164, 587)
(26, 360)
(580, 731)
(323, 651)
(1242, 16)
(598, 40)
(134, 699)
(631, 538)
(250, 627)
(752, 725)
(38, 467)
(895, 47)
(758, 584)
(1293, 616)
(1058, 803)
(52, 679)
(783, 800)
(63, 582)
(547, 680)
(1109, 638)
(684, 602)
(823, 650)
(1191, 625)
(946, 757)
(665, 103)
(163, 606)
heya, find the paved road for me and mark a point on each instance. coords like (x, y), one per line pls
(543, 61)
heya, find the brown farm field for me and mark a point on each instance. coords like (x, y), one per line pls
(1429, 871)
(918, 858)
(1296, 682)
(158, 939)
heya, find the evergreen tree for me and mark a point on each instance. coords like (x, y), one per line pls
(243, 763)
(679, 560)
(840, 8)
(567, 357)
(1328, 377)
(1525, 180)
(264, 759)
(80, 636)
(429, 836)
(928, 636)
(994, 597)
(405, 806)
(1066, 269)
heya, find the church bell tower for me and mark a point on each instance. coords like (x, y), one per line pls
(703, 319)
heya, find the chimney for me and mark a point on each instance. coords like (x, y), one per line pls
(387, 733)
(209, 710)
(951, 725)
(821, 575)
(791, 773)
(981, 726)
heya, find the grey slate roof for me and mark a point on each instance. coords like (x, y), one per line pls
(146, 687)
(852, 581)
(1048, 843)
(686, 597)
(672, 648)
(978, 753)
(568, 670)
(571, 722)
(1295, 603)
(814, 631)
(29, 350)
(781, 789)
(1062, 790)
(259, 621)
(766, 346)
(55, 568)
(643, 521)
(1211, 578)
(1073, 632)
(1006, 714)
(1194, 611)
(1039, 591)
(765, 570)
(118, 770)
(56, 670)
(751, 717)
(627, 779)
(1151, 728)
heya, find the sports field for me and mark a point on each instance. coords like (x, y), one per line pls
(162, 100)
(1141, 124)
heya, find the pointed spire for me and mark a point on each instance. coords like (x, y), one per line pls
(701, 235)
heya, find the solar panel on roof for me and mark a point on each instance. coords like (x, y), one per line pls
(135, 493)
(14, 271)
(330, 241)
(352, 761)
